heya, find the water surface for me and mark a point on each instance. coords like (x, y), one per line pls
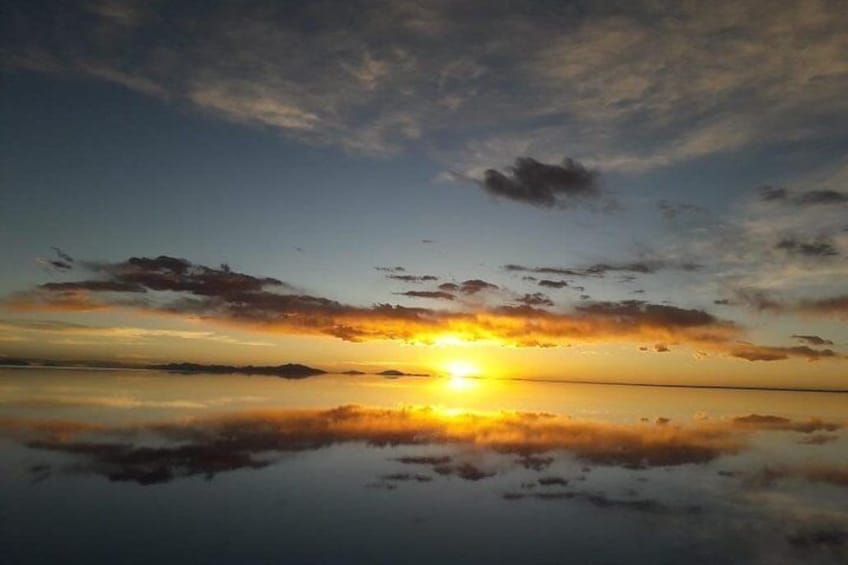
(141, 466)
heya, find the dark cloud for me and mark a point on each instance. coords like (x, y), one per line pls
(473, 286)
(639, 312)
(544, 270)
(812, 339)
(164, 273)
(62, 255)
(544, 185)
(552, 481)
(661, 348)
(413, 278)
(436, 294)
(818, 248)
(60, 265)
(61, 262)
(390, 269)
(553, 284)
(535, 299)
(599, 270)
(757, 299)
(449, 287)
(828, 307)
(806, 198)
(780, 353)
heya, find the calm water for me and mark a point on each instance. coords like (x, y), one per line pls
(141, 467)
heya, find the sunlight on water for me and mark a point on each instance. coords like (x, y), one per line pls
(738, 475)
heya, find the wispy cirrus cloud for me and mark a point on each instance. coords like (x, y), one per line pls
(623, 87)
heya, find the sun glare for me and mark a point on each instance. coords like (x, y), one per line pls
(461, 369)
(460, 375)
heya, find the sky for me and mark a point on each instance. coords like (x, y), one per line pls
(617, 191)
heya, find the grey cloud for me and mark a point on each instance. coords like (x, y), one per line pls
(553, 284)
(473, 286)
(778, 353)
(818, 248)
(436, 294)
(812, 339)
(62, 255)
(535, 299)
(413, 278)
(540, 184)
(802, 198)
(632, 84)
(599, 270)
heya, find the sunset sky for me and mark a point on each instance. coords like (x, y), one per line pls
(638, 191)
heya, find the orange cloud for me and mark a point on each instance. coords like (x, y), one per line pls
(171, 286)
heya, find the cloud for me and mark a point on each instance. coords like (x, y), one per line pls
(176, 287)
(826, 307)
(831, 307)
(535, 299)
(819, 248)
(630, 86)
(540, 184)
(600, 270)
(473, 286)
(436, 294)
(553, 284)
(802, 199)
(413, 278)
(253, 439)
(773, 353)
(812, 339)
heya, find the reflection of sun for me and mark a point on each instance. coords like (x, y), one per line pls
(460, 373)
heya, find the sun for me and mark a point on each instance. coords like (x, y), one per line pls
(461, 369)
(461, 374)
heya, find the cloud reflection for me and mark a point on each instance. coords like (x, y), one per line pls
(160, 452)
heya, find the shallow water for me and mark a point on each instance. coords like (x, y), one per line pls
(139, 466)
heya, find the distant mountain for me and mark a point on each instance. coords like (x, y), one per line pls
(396, 373)
(287, 371)
(354, 372)
(11, 361)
